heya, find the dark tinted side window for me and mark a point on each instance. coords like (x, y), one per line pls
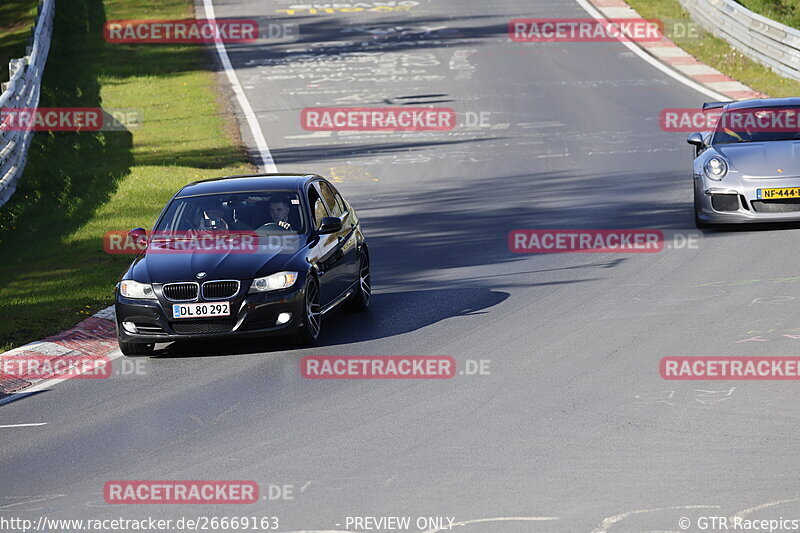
(339, 198)
(317, 206)
(335, 204)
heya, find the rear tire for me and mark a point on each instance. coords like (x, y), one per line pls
(136, 348)
(308, 333)
(359, 301)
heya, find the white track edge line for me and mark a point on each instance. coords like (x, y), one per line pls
(636, 49)
(266, 161)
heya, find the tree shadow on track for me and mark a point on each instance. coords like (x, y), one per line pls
(338, 36)
(333, 152)
(391, 314)
(461, 224)
(425, 247)
(419, 242)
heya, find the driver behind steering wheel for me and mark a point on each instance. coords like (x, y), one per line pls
(279, 209)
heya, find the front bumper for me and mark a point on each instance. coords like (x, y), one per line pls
(252, 315)
(735, 200)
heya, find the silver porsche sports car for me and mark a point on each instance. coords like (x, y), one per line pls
(747, 169)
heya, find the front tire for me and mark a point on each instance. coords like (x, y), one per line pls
(136, 348)
(308, 333)
(359, 301)
(699, 224)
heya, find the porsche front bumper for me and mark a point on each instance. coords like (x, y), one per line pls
(736, 201)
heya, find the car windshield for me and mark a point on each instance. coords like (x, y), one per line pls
(265, 213)
(758, 125)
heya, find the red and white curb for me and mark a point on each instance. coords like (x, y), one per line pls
(93, 339)
(671, 55)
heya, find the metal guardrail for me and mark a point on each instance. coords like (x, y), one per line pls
(768, 42)
(22, 91)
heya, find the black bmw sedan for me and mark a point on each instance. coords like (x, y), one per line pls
(240, 256)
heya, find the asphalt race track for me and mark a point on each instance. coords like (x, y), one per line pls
(572, 429)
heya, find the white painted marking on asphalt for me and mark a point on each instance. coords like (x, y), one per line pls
(35, 500)
(712, 395)
(24, 425)
(499, 519)
(266, 163)
(315, 135)
(751, 510)
(653, 61)
(607, 522)
(773, 300)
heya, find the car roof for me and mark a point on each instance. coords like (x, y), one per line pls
(765, 102)
(246, 183)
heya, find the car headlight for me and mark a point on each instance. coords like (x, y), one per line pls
(135, 290)
(715, 168)
(281, 280)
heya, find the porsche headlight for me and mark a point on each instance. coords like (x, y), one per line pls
(281, 280)
(135, 290)
(715, 168)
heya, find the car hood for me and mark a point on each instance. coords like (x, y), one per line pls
(165, 267)
(763, 159)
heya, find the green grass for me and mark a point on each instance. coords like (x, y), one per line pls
(16, 20)
(784, 11)
(716, 52)
(77, 186)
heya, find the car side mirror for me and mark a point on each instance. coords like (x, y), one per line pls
(696, 139)
(138, 235)
(330, 225)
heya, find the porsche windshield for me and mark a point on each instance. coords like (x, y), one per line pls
(265, 213)
(758, 125)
